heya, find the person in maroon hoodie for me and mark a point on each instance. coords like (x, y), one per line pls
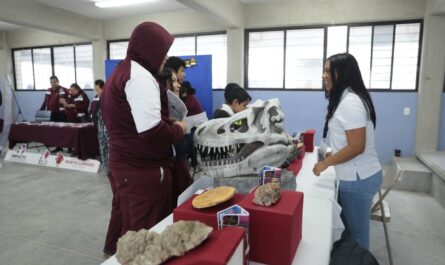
(141, 135)
(76, 104)
(54, 98)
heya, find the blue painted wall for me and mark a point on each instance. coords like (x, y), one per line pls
(306, 110)
(442, 126)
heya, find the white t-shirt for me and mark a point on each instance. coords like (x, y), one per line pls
(350, 114)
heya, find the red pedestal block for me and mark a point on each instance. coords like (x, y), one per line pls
(186, 211)
(309, 140)
(295, 166)
(218, 249)
(302, 152)
(275, 231)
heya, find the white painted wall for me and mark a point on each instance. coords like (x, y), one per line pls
(31, 37)
(431, 83)
(180, 22)
(302, 12)
(37, 15)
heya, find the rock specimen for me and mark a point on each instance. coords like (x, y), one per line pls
(150, 248)
(268, 194)
(213, 197)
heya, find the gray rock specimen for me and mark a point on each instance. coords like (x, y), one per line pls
(150, 248)
(267, 194)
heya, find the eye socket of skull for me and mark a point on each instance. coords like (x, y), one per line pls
(201, 130)
(239, 126)
(274, 115)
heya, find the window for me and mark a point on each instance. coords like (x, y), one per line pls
(360, 46)
(70, 63)
(117, 50)
(193, 44)
(215, 45)
(23, 69)
(183, 46)
(64, 65)
(304, 58)
(406, 48)
(84, 66)
(382, 57)
(266, 59)
(293, 58)
(337, 40)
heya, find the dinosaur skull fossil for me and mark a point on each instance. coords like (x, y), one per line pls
(245, 142)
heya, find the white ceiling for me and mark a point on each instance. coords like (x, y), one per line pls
(8, 26)
(87, 8)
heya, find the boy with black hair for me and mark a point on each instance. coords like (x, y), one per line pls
(178, 65)
(236, 100)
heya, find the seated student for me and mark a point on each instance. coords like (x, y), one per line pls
(236, 100)
(98, 87)
(76, 104)
(54, 98)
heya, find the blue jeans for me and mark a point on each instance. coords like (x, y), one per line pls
(355, 198)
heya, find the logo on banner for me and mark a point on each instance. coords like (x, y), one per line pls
(59, 158)
(19, 152)
(43, 160)
(21, 149)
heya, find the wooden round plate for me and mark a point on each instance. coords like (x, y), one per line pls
(213, 197)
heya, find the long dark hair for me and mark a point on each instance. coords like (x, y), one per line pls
(165, 78)
(345, 73)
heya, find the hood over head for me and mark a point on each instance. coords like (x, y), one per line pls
(148, 46)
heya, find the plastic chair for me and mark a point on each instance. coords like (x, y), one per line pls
(380, 209)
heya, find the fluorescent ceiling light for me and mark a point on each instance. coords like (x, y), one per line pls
(117, 3)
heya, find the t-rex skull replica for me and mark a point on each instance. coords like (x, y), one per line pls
(245, 142)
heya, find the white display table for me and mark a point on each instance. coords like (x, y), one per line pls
(321, 216)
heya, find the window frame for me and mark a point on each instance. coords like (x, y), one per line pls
(325, 28)
(195, 35)
(51, 47)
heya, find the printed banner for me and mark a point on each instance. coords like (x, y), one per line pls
(46, 159)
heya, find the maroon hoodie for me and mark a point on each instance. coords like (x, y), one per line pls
(150, 148)
(51, 100)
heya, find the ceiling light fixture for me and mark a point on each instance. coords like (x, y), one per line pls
(117, 3)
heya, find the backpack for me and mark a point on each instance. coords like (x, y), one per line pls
(349, 252)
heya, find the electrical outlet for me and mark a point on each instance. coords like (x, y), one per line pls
(406, 111)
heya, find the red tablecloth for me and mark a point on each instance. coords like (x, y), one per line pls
(216, 250)
(83, 140)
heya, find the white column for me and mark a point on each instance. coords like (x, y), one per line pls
(431, 83)
(235, 56)
(99, 57)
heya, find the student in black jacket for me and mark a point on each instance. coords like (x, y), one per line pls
(236, 98)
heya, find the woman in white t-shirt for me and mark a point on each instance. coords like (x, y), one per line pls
(351, 122)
